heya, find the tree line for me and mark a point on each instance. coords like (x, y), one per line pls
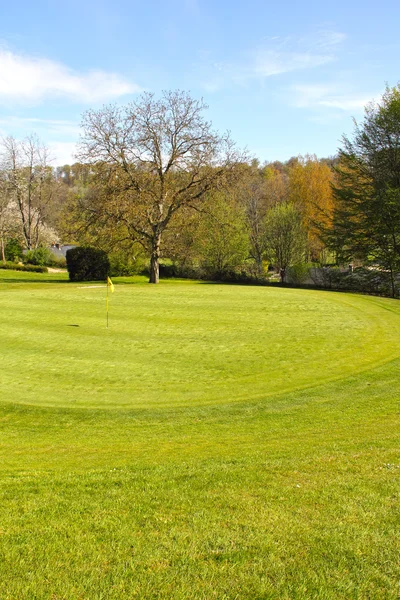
(154, 182)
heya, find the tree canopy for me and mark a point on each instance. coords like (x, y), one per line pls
(154, 157)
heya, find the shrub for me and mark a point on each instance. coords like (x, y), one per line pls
(298, 274)
(373, 281)
(121, 264)
(238, 275)
(58, 262)
(326, 277)
(40, 256)
(10, 266)
(370, 281)
(168, 270)
(13, 250)
(85, 264)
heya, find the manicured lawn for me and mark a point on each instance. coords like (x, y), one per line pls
(214, 442)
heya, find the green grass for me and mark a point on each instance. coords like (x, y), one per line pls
(214, 442)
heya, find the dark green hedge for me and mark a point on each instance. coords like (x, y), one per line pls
(87, 264)
(203, 273)
(16, 267)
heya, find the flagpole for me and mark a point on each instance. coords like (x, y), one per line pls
(111, 286)
(107, 303)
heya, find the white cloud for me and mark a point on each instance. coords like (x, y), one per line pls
(346, 103)
(58, 135)
(62, 153)
(271, 62)
(25, 79)
(282, 55)
(327, 39)
(274, 56)
(50, 126)
(328, 96)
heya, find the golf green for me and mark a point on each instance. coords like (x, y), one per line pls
(184, 344)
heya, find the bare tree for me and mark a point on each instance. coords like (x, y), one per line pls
(286, 237)
(153, 157)
(252, 197)
(27, 183)
(258, 191)
(9, 222)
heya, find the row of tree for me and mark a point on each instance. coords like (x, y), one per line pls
(256, 216)
(154, 180)
(163, 179)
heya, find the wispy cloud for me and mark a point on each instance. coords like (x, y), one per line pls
(51, 126)
(282, 55)
(326, 39)
(328, 96)
(25, 79)
(274, 56)
(271, 62)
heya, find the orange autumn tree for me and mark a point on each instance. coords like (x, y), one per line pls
(310, 190)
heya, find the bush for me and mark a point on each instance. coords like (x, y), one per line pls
(369, 281)
(372, 281)
(125, 266)
(239, 275)
(13, 250)
(58, 262)
(87, 264)
(167, 271)
(298, 274)
(40, 256)
(10, 266)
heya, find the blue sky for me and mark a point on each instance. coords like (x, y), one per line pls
(284, 78)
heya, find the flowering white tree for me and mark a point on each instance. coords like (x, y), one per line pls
(27, 184)
(9, 223)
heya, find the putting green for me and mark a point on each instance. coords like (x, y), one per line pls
(184, 343)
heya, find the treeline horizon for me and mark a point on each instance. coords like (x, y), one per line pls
(69, 188)
(154, 182)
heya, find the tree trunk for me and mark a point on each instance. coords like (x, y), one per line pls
(3, 256)
(259, 264)
(392, 282)
(155, 259)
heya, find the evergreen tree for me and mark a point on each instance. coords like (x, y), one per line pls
(367, 193)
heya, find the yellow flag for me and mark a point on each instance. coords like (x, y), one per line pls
(110, 285)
